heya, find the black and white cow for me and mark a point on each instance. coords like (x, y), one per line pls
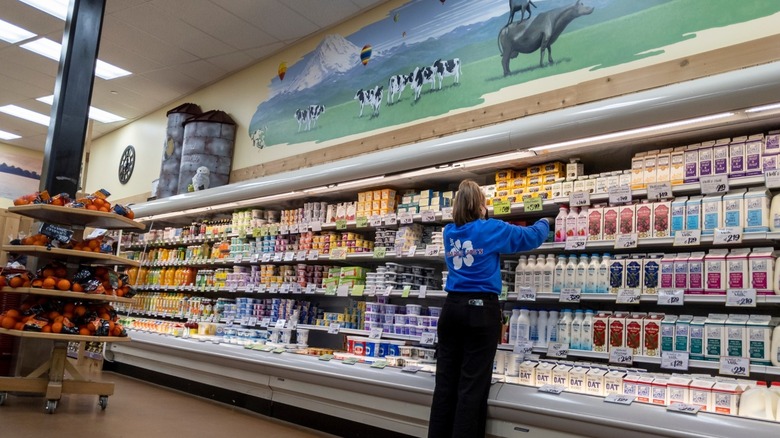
(302, 116)
(375, 99)
(315, 111)
(396, 86)
(443, 69)
(419, 77)
(362, 96)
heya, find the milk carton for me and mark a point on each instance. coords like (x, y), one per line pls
(706, 167)
(759, 335)
(577, 382)
(737, 268)
(678, 214)
(544, 372)
(737, 158)
(651, 270)
(610, 229)
(701, 393)
(643, 220)
(696, 273)
(712, 208)
(617, 330)
(663, 165)
(692, 164)
(634, 272)
(594, 380)
(697, 337)
(757, 202)
(693, 213)
(650, 167)
(753, 155)
(630, 383)
(772, 143)
(761, 269)
(679, 389)
(651, 335)
(736, 336)
(720, 157)
(715, 272)
(527, 373)
(560, 375)
(667, 271)
(595, 223)
(617, 273)
(682, 333)
(634, 334)
(770, 162)
(613, 382)
(677, 169)
(725, 397)
(644, 388)
(661, 221)
(734, 208)
(627, 219)
(681, 271)
(601, 332)
(660, 391)
(715, 336)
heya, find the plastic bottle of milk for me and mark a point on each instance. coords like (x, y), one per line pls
(582, 222)
(571, 222)
(533, 317)
(560, 224)
(523, 326)
(576, 330)
(591, 276)
(538, 273)
(552, 326)
(520, 272)
(541, 328)
(602, 285)
(528, 272)
(581, 272)
(548, 274)
(586, 331)
(513, 326)
(570, 272)
(564, 327)
(559, 276)
(774, 214)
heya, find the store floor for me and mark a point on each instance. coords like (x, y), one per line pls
(139, 409)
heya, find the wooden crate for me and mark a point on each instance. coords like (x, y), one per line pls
(10, 226)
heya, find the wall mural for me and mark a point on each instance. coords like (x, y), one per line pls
(428, 58)
(19, 174)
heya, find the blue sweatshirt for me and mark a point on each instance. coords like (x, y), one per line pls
(472, 251)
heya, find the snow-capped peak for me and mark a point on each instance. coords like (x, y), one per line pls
(334, 55)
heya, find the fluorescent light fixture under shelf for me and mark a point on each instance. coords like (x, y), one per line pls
(94, 113)
(12, 33)
(57, 8)
(50, 49)
(8, 136)
(22, 113)
(763, 108)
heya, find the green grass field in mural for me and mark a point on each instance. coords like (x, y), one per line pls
(594, 44)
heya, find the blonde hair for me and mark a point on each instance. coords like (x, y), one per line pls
(468, 203)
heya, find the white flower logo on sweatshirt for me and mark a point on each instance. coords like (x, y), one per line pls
(462, 253)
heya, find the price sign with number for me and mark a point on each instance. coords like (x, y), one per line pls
(380, 252)
(558, 349)
(274, 288)
(376, 333)
(531, 204)
(388, 291)
(255, 258)
(551, 389)
(576, 243)
(735, 366)
(570, 295)
(310, 288)
(357, 290)
(658, 191)
(684, 408)
(772, 179)
(423, 291)
(338, 254)
(313, 254)
(381, 364)
(620, 399)
(428, 216)
(239, 258)
(524, 347)
(405, 292)
(406, 218)
(315, 225)
(391, 219)
(330, 289)
(621, 356)
(412, 251)
(504, 292)
(326, 357)
(501, 207)
(301, 256)
(671, 297)
(712, 185)
(342, 291)
(526, 294)
(620, 195)
(411, 369)
(446, 214)
(341, 224)
(264, 322)
(432, 250)
(675, 360)
(741, 298)
(625, 241)
(289, 256)
(333, 328)
(286, 288)
(361, 222)
(375, 221)
(428, 338)
(280, 323)
(579, 199)
(724, 236)
(628, 296)
(687, 237)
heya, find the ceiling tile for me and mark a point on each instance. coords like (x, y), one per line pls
(323, 13)
(203, 71)
(143, 43)
(120, 56)
(271, 16)
(144, 86)
(113, 6)
(232, 61)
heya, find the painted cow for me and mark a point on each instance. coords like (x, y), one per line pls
(443, 69)
(302, 116)
(396, 86)
(375, 99)
(419, 77)
(315, 111)
(364, 98)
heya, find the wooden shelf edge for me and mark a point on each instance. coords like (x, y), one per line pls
(61, 337)
(76, 216)
(42, 251)
(67, 294)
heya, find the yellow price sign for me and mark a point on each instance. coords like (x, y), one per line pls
(501, 208)
(361, 222)
(532, 204)
(405, 293)
(341, 224)
(357, 290)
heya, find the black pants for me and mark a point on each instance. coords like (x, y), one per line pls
(468, 336)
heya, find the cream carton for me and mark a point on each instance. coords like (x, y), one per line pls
(679, 389)
(757, 202)
(677, 166)
(737, 268)
(692, 163)
(737, 157)
(706, 167)
(644, 388)
(681, 271)
(617, 330)
(667, 271)
(617, 273)
(734, 208)
(651, 273)
(661, 223)
(577, 379)
(720, 157)
(635, 334)
(610, 229)
(712, 211)
(601, 332)
(638, 171)
(527, 373)
(634, 272)
(660, 391)
(682, 333)
(625, 178)
(650, 167)
(678, 214)
(613, 382)
(715, 272)
(725, 397)
(736, 336)
(696, 273)
(753, 155)
(630, 383)
(693, 213)
(701, 393)
(544, 373)
(715, 336)
(594, 380)
(627, 219)
(697, 337)
(644, 220)
(595, 223)
(651, 335)
(761, 268)
(759, 335)
(770, 162)
(772, 143)
(560, 375)
(567, 188)
(663, 165)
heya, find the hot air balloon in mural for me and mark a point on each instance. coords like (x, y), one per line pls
(403, 35)
(365, 54)
(395, 18)
(442, 1)
(282, 70)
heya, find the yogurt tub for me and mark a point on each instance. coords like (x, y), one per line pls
(434, 322)
(413, 309)
(392, 267)
(401, 319)
(424, 321)
(434, 311)
(398, 329)
(393, 348)
(368, 325)
(374, 307)
(388, 318)
(302, 336)
(286, 337)
(425, 354)
(412, 319)
(388, 328)
(407, 351)
(395, 361)
(390, 308)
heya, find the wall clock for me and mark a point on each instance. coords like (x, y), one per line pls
(126, 164)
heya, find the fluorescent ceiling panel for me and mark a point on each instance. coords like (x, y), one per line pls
(32, 116)
(12, 33)
(57, 8)
(8, 136)
(50, 49)
(94, 113)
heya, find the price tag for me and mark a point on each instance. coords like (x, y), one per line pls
(314, 254)
(326, 357)
(56, 232)
(724, 236)
(531, 204)
(380, 252)
(341, 224)
(388, 291)
(286, 288)
(674, 360)
(310, 288)
(687, 237)
(301, 255)
(504, 292)
(524, 347)
(735, 366)
(625, 241)
(684, 408)
(284, 229)
(391, 219)
(551, 389)
(289, 256)
(406, 218)
(671, 297)
(428, 216)
(621, 356)
(376, 333)
(501, 208)
(233, 288)
(558, 349)
(411, 369)
(405, 293)
(526, 294)
(741, 298)
(711, 185)
(357, 290)
(376, 221)
(261, 288)
(570, 295)
(432, 250)
(280, 323)
(239, 258)
(338, 254)
(412, 251)
(350, 361)
(255, 258)
(772, 179)
(333, 328)
(252, 321)
(428, 338)
(315, 225)
(229, 321)
(361, 222)
(274, 288)
(446, 214)
(342, 291)
(620, 399)
(381, 364)
(579, 199)
(278, 350)
(658, 191)
(266, 348)
(330, 289)
(296, 228)
(628, 296)
(296, 288)
(266, 257)
(619, 195)
(423, 291)
(576, 243)
(278, 256)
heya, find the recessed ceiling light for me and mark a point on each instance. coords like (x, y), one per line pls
(12, 33)
(25, 114)
(8, 136)
(94, 113)
(57, 8)
(50, 49)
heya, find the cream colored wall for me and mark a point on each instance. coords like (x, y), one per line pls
(6, 148)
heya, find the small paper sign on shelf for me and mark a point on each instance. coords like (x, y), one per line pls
(741, 298)
(628, 296)
(280, 323)
(525, 293)
(406, 218)
(558, 349)
(620, 195)
(333, 328)
(342, 291)
(310, 288)
(361, 222)
(315, 225)
(735, 366)
(301, 256)
(313, 254)
(532, 204)
(423, 291)
(570, 295)
(523, 347)
(411, 369)
(576, 243)
(620, 399)
(621, 356)
(713, 185)
(428, 216)
(412, 251)
(357, 290)
(772, 179)
(380, 252)
(579, 199)
(341, 224)
(326, 357)
(375, 221)
(289, 256)
(675, 360)
(501, 208)
(391, 219)
(728, 235)
(432, 250)
(684, 408)
(446, 214)
(350, 361)
(278, 256)
(671, 297)
(658, 191)
(428, 338)
(380, 364)
(405, 292)
(687, 237)
(626, 241)
(376, 333)
(338, 253)
(551, 389)
(388, 291)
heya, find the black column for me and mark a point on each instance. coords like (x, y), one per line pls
(72, 95)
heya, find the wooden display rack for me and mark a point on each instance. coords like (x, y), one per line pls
(50, 377)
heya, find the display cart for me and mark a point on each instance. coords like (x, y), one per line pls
(57, 375)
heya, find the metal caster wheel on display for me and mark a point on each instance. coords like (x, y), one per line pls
(3, 397)
(51, 406)
(103, 402)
